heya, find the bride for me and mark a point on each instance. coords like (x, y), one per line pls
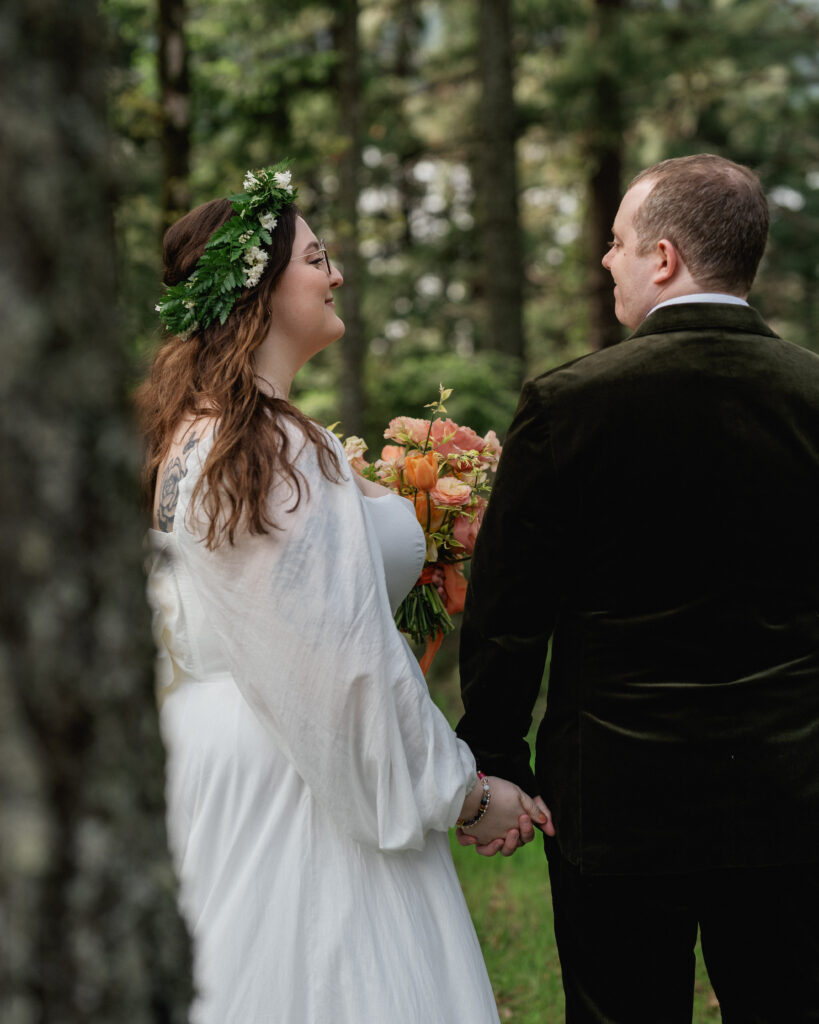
(311, 781)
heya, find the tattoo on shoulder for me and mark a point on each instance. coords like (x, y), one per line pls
(169, 487)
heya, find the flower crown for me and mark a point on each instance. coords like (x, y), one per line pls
(233, 258)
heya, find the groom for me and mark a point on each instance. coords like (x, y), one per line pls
(656, 514)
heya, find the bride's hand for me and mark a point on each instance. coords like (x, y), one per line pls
(509, 819)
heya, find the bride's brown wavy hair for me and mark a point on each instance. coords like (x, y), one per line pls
(211, 374)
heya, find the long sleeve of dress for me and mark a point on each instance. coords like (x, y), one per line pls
(303, 618)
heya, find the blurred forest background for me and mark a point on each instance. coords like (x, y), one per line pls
(463, 159)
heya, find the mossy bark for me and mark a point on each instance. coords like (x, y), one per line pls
(89, 928)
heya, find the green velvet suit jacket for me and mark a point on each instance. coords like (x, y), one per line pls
(655, 514)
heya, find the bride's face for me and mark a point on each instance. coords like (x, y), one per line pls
(302, 307)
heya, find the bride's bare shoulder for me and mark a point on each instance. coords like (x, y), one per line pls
(189, 433)
(370, 487)
(192, 430)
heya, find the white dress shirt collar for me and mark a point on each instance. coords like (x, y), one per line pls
(731, 300)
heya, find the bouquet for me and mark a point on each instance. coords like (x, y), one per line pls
(443, 468)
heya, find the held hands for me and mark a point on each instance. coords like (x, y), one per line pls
(509, 821)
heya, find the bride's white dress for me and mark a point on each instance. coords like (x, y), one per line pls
(311, 780)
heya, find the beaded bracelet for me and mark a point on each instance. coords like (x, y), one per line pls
(484, 804)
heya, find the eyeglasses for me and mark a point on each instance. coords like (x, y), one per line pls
(317, 256)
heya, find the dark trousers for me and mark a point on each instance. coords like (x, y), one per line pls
(626, 944)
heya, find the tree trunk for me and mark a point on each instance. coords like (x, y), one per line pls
(175, 106)
(408, 28)
(603, 149)
(496, 183)
(90, 929)
(348, 86)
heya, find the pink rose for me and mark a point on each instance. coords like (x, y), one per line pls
(465, 531)
(354, 448)
(449, 437)
(444, 429)
(467, 440)
(451, 491)
(388, 467)
(393, 452)
(451, 440)
(490, 450)
(405, 428)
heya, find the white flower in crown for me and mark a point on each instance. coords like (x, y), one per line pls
(268, 221)
(256, 260)
(255, 255)
(158, 308)
(282, 179)
(251, 182)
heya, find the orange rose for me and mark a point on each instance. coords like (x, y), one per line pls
(392, 452)
(427, 514)
(421, 471)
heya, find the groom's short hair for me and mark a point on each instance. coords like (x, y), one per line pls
(713, 211)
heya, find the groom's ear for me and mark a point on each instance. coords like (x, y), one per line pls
(668, 261)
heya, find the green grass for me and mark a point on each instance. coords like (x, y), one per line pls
(510, 904)
(508, 898)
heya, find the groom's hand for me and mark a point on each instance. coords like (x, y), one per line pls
(515, 837)
(507, 845)
(544, 822)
